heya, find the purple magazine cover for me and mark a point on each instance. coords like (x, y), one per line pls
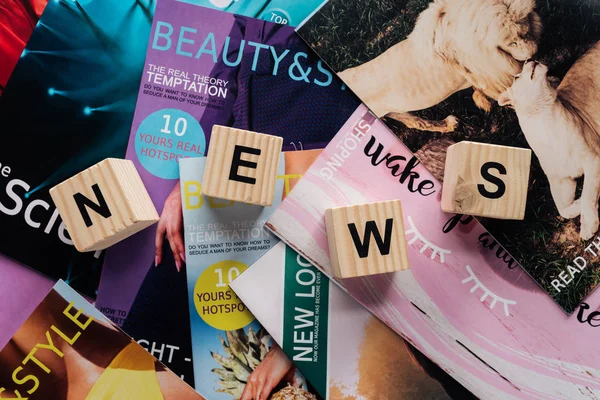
(205, 67)
(21, 291)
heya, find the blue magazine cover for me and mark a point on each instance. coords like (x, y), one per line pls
(234, 357)
(286, 12)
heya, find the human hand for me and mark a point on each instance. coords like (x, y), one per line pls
(171, 226)
(267, 375)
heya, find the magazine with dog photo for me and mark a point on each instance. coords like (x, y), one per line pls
(518, 73)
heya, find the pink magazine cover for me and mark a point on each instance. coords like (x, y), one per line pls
(464, 302)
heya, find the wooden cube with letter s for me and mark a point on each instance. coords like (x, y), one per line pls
(241, 166)
(104, 204)
(486, 180)
(366, 239)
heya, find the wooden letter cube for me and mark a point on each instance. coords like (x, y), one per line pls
(241, 166)
(366, 239)
(486, 180)
(104, 204)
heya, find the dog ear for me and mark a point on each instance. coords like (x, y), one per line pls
(505, 98)
(536, 28)
(520, 9)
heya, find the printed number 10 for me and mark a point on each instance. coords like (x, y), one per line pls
(180, 125)
(230, 275)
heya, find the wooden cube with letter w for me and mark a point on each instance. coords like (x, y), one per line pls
(366, 239)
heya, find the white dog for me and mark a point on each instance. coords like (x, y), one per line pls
(454, 45)
(562, 126)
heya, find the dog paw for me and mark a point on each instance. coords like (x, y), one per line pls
(588, 228)
(586, 235)
(571, 211)
(451, 123)
(481, 101)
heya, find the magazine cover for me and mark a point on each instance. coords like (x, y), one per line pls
(286, 12)
(438, 78)
(96, 49)
(224, 238)
(68, 349)
(464, 302)
(21, 290)
(341, 348)
(243, 73)
(17, 21)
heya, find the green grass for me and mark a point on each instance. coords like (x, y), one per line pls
(348, 33)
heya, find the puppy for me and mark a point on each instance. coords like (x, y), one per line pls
(562, 126)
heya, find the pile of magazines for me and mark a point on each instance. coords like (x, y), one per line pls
(224, 300)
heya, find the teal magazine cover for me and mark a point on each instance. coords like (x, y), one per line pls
(233, 354)
(286, 12)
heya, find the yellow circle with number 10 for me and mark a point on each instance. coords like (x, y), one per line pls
(215, 302)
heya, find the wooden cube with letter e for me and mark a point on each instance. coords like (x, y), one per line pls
(241, 166)
(366, 239)
(486, 180)
(104, 204)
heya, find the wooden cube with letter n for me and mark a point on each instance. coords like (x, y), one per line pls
(241, 166)
(486, 180)
(104, 204)
(366, 239)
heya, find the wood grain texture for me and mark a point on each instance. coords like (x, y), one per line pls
(346, 260)
(131, 208)
(463, 180)
(217, 180)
